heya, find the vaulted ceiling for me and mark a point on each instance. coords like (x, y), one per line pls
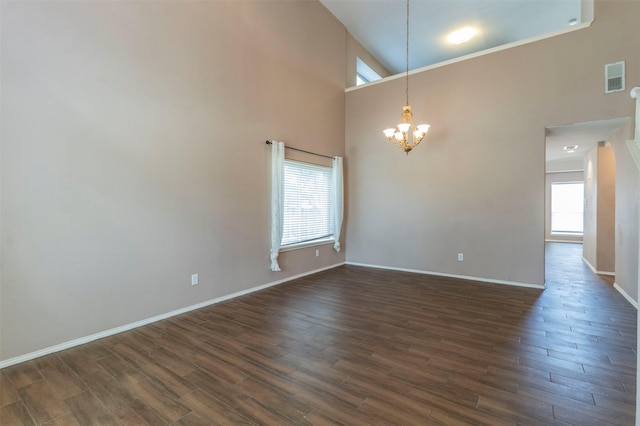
(380, 25)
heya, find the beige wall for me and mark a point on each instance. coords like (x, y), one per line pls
(555, 178)
(563, 165)
(606, 209)
(590, 237)
(133, 154)
(476, 184)
(600, 208)
(627, 216)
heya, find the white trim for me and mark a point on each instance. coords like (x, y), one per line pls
(312, 243)
(477, 54)
(596, 271)
(440, 274)
(626, 296)
(563, 171)
(634, 146)
(130, 326)
(548, 240)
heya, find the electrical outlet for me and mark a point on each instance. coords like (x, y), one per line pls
(460, 257)
(317, 252)
(194, 279)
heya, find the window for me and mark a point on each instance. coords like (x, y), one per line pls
(567, 207)
(308, 206)
(364, 73)
(360, 80)
(306, 203)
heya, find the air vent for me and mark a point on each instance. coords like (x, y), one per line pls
(614, 77)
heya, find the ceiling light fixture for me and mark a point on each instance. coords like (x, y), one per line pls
(462, 35)
(573, 21)
(407, 136)
(570, 148)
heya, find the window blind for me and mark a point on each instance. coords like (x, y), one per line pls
(307, 202)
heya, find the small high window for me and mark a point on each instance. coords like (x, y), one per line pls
(364, 73)
(360, 80)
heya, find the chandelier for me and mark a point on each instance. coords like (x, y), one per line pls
(407, 135)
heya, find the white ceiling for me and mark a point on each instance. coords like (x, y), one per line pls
(380, 25)
(585, 135)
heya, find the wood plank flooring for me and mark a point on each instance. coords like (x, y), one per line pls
(356, 346)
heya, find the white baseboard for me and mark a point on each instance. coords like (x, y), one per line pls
(626, 296)
(440, 274)
(613, 274)
(127, 327)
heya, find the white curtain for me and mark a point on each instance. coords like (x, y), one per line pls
(277, 200)
(338, 201)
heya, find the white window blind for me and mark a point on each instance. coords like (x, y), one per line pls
(308, 208)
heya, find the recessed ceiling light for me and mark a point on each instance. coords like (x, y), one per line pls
(570, 148)
(462, 35)
(573, 21)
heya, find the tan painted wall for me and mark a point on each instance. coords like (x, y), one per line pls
(600, 208)
(606, 209)
(554, 178)
(476, 185)
(133, 154)
(627, 216)
(590, 237)
(563, 165)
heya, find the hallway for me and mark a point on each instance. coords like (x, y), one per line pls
(596, 326)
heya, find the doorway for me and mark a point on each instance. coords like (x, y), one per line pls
(578, 156)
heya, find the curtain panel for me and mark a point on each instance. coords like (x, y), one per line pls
(277, 201)
(338, 200)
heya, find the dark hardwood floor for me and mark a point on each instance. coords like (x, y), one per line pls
(356, 346)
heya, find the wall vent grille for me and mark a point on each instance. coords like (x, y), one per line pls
(614, 77)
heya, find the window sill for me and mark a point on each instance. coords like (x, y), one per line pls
(318, 242)
(568, 234)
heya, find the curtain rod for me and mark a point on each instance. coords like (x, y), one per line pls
(302, 150)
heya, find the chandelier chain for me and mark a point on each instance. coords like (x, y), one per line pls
(407, 67)
(407, 135)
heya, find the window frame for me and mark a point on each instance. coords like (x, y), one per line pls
(329, 239)
(365, 73)
(551, 210)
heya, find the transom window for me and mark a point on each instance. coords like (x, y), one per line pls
(364, 73)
